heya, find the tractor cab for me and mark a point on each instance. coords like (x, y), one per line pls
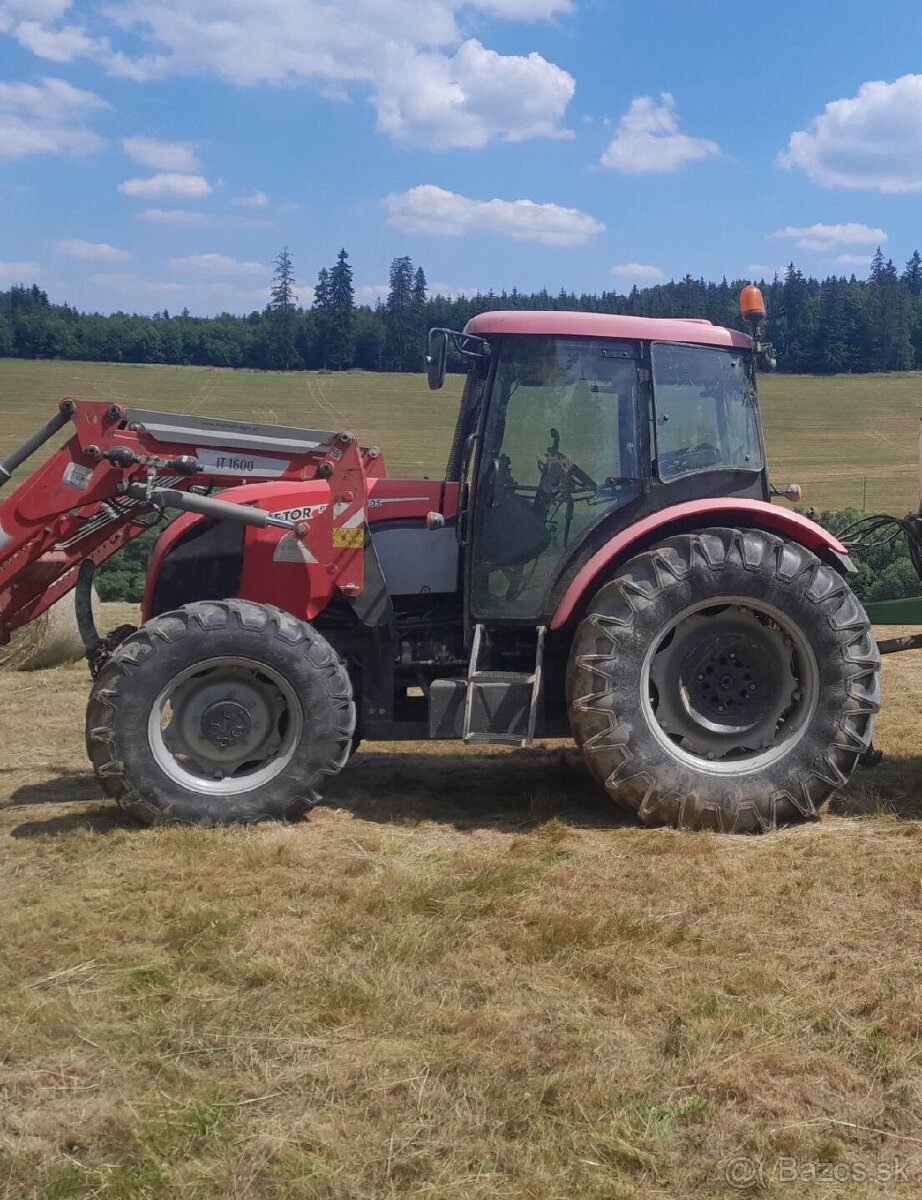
(574, 426)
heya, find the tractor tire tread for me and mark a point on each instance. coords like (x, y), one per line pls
(117, 679)
(608, 635)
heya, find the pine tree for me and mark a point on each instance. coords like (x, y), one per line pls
(420, 289)
(322, 314)
(831, 350)
(341, 338)
(796, 324)
(281, 352)
(398, 317)
(912, 275)
(283, 283)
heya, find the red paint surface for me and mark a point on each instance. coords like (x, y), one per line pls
(706, 512)
(605, 325)
(304, 589)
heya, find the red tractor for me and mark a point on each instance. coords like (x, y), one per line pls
(601, 560)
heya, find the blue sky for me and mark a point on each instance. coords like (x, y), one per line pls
(157, 153)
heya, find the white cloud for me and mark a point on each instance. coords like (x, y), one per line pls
(853, 260)
(429, 85)
(185, 216)
(184, 187)
(525, 10)
(47, 118)
(160, 155)
(257, 200)
(217, 264)
(648, 140)
(14, 11)
(471, 98)
(451, 290)
(872, 140)
(58, 45)
(174, 216)
(19, 272)
(91, 251)
(638, 271)
(129, 280)
(371, 293)
(200, 297)
(821, 237)
(764, 271)
(433, 210)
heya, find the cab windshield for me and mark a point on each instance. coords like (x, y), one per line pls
(706, 410)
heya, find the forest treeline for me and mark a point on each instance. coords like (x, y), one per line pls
(818, 326)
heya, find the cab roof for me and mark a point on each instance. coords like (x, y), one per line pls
(605, 325)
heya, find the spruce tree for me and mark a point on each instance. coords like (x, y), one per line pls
(341, 337)
(321, 313)
(912, 275)
(398, 317)
(420, 289)
(281, 351)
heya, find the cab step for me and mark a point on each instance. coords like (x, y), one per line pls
(488, 707)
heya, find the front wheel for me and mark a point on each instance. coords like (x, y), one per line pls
(220, 712)
(726, 680)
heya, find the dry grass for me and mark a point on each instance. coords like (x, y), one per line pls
(466, 978)
(848, 439)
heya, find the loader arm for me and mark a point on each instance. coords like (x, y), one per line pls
(122, 467)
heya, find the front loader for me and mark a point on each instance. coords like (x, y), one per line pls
(601, 560)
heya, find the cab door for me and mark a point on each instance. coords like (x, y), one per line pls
(560, 449)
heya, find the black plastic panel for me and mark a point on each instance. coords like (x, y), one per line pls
(206, 564)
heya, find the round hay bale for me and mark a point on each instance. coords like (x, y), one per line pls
(51, 640)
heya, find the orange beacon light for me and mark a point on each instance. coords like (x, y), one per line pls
(752, 306)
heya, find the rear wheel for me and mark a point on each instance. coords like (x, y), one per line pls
(220, 712)
(723, 680)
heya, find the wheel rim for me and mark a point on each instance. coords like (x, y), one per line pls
(225, 726)
(730, 687)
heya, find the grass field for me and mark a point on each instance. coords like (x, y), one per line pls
(848, 439)
(466, 977)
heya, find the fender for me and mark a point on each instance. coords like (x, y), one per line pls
(733, 511)
(300, 587)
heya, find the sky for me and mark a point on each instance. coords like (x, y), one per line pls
(158, 153)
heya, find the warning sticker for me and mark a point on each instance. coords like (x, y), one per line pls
(77, 477)
(348, 539)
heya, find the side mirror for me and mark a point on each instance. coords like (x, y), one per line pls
(437, 358)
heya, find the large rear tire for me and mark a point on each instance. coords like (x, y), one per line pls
(723, 680)
(220, 712)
